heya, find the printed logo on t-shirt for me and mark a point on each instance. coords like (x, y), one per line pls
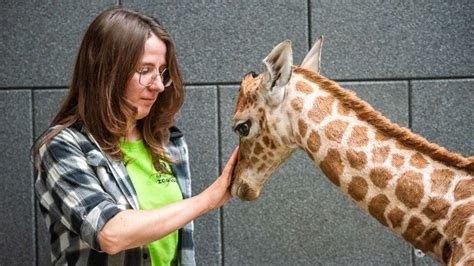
(162, 178)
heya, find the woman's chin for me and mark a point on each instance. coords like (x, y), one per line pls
(142, 115)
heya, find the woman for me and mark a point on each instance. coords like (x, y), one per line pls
(112, 171)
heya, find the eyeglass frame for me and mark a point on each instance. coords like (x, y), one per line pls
(154, 76)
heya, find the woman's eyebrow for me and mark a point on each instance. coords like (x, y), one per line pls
(145, 63)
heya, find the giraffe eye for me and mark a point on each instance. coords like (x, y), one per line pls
(243, 129)
(254, 75)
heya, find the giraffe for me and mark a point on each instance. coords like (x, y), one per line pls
(417, 189)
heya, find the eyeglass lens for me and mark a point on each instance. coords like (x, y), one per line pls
(148, 74)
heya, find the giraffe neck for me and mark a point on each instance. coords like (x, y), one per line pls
(402, 188)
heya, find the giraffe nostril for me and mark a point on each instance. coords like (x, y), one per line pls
(246, 192)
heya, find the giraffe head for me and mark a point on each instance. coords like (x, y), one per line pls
(261, 121)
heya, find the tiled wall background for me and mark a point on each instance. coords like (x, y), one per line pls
(412, 60)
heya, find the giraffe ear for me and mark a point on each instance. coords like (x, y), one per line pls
(312, 60)
(277, 72)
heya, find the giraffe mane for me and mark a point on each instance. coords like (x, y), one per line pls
(406, 137)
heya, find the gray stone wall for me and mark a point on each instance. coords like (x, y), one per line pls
(412, 60)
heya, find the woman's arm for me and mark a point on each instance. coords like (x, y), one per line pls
(134, 228)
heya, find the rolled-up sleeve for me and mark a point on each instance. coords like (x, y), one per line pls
(69, 189)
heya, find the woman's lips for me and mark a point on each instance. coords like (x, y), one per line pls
(149, 99)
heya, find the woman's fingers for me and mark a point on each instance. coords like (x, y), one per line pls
(231, 162)
(218, 193)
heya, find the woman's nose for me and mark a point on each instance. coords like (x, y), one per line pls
(157, 84)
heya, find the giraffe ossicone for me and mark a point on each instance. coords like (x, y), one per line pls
(418, 189)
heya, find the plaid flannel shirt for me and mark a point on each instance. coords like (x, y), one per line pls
(80, 188)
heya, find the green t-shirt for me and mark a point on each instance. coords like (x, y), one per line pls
(154, 190)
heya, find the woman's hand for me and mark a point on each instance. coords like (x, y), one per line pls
(134, 228)
(218, 193)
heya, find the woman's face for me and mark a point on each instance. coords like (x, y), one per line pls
(143, 97)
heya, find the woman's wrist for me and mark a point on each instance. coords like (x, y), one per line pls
(203, 200)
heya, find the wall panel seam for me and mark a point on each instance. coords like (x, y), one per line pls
(308, 6)
(219, 166)
(32, 173)
(409, 104)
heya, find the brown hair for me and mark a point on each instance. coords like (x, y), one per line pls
(365, 112)
(110, 50)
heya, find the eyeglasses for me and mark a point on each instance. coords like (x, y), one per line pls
(148, 74)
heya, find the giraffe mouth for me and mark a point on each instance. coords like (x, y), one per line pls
(235, 188)
(237, 191)
(244, 191)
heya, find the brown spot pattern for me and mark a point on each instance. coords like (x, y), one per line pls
(464, 189)
(441, 180)
(396, 217)
(380, 176)
(401, 146)
(357, 160)
(246, 97)
(469, 262)
(436, 209)
(409, 189)
(321, 108)
(332, 166)
(304, 87)
(380, 154)
(379, 136)
(258, 148)
(459, 218)
(397, 160)
(367, 113)
(341, 108)
(377, 208)
(335, 129)
(469, 236)
(261, 123)
(314, 141)
(272, 146)
(358, 136)
(302, 127)
(266, 141)
(297, 104)
(262, 168)
(254, 160)
(245, 146)
(458, 253)
(418, 161)
(430, 239)
(358, 188)
(414, 229)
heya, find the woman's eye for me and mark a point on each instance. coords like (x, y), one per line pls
(144, 70)
(243, 129)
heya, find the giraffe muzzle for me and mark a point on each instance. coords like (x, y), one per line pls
(244, 191)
